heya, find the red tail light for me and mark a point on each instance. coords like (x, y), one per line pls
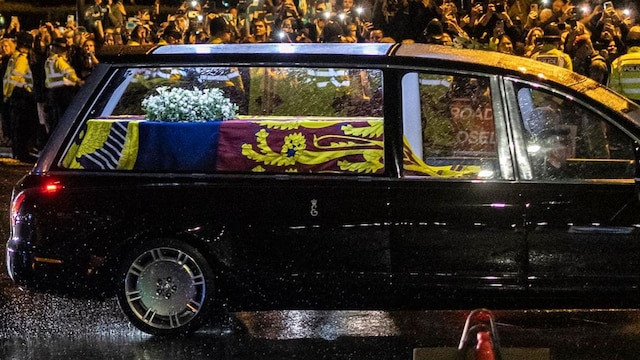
(51, 187)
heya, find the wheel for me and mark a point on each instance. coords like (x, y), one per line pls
(166, 288)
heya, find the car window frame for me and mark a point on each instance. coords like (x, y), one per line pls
(523, 166)
(98, 102)
(501, 125)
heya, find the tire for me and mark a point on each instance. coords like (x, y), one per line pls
(166, 288)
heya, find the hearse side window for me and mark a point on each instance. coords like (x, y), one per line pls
(449, 128)
(288, 120)
(566, 141)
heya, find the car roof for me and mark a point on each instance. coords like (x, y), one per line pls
(466, 58)
(387, 54)
(380, 49)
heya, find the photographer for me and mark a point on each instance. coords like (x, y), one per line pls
(607, 19)
(288, 9)
(496, 22)
(313, 28)
(469, 22)
(13, 29)
(450, 22)
(290, 30)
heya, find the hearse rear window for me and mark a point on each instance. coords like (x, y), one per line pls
(283, 120)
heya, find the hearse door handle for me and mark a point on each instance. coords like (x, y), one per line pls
(556, 202)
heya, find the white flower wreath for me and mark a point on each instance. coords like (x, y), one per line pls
(178, 104)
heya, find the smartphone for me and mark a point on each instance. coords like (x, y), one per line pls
(534, 7)
(70, 18)
(608, 5)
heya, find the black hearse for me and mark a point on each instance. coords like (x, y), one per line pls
(341, 176)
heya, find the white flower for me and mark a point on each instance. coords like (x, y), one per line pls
(177, 104)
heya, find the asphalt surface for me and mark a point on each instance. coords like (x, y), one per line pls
(41, 326)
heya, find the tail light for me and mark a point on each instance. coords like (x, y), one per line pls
(51, 187)
(16, 204)
(47, 188)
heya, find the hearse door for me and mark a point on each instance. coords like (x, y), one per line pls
(322, 205)
(582, 211)
(457, 212)
(317, 240)
(344, 239)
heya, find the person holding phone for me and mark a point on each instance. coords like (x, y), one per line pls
(562, 11)
(14, 28)
(522, 9)
(532, 18)
(496, 21)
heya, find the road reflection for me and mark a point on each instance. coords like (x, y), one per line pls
(328, 325)
(43, 327)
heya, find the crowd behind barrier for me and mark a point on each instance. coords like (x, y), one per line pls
(42, 68)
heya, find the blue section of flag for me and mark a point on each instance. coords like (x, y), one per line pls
(178, 146)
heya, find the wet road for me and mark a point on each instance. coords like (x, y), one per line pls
(38, 326)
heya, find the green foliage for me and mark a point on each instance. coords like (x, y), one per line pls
(297, 91)
(436, 122)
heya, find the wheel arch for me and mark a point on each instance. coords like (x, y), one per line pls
(206, 244)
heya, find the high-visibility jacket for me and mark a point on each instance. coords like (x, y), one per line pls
(18, 74)
(59, 73)
(550, 54)
(625, 74)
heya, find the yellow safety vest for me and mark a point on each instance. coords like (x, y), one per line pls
(551, 55)
(18, 74)
(59, 73)
(625, 74)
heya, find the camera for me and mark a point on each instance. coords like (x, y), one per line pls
(500, 7)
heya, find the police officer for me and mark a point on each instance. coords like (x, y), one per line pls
(550, 52)
(18, 92)
(60, 80)
(625, 70)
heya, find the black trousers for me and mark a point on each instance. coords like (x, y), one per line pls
(24, 124)
(59, 99)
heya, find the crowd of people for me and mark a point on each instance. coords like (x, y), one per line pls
(44, 67)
